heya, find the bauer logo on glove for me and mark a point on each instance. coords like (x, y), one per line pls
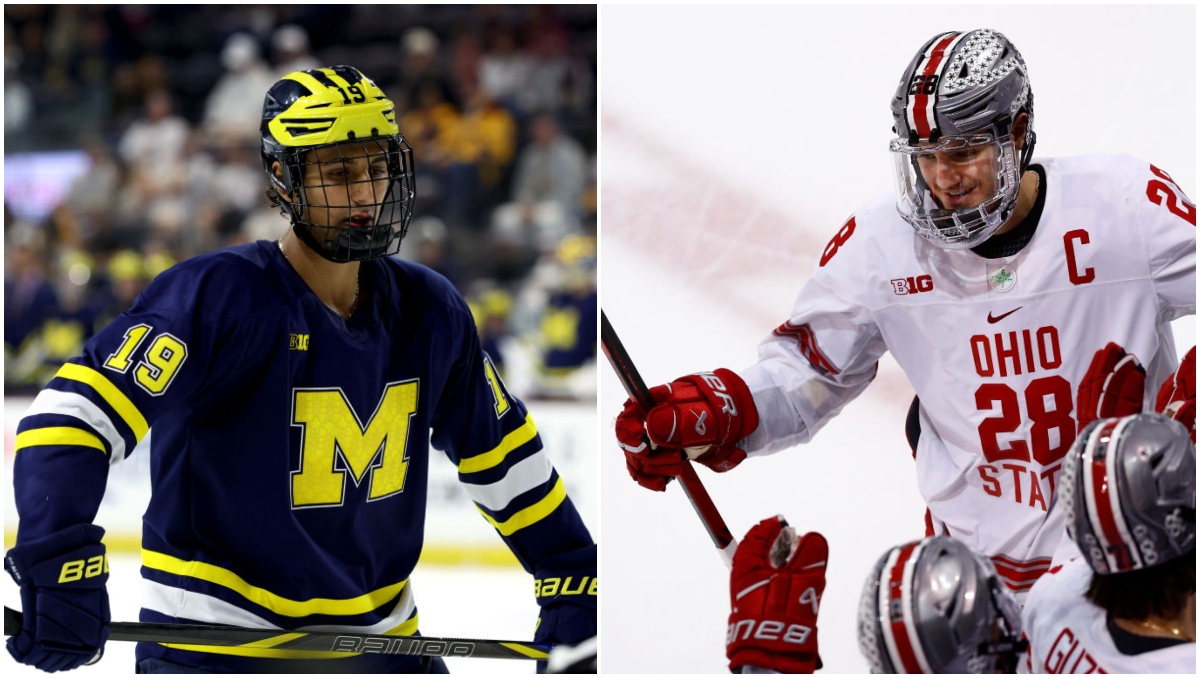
(566, 588)
(775, 594)
(64, 601)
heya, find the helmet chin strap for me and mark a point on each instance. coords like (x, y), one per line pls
(1027, 151)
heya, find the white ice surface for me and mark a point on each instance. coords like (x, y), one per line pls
(735, 141)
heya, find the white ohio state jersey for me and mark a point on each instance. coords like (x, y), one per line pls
(1068, 634)
(994, 348)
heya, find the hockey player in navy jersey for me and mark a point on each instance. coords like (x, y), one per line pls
(294, 388)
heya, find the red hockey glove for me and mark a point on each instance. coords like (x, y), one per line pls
(775, 590)
(703, 415)
(1177, 396)
(651, 467)
(1114, 386)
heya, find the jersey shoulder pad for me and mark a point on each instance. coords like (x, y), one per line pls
(414, 288)
(873, 228)
(227, 283)
(1112, 171)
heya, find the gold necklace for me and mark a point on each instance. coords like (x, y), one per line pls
(1175, 631)
(357, 285)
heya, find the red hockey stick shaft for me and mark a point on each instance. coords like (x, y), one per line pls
(621, 363)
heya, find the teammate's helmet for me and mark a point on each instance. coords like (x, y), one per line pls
(319, 125)
(959, 98)
(934, 606)
(1129, 491)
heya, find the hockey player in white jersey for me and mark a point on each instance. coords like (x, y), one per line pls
(991, 276)
(1127, 603)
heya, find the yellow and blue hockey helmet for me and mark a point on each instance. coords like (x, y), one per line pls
(332, 130)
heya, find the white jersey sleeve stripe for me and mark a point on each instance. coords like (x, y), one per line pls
(522, 477)
(74, 405)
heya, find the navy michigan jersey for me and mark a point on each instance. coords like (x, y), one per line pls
(290, 450)
(569, 329)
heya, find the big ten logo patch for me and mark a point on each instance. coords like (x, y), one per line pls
(298, 342)
(911, 285)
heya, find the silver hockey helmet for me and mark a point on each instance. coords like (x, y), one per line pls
(955, 160)
(935, 606)
(1129, 492)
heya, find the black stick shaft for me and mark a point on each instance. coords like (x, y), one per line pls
(622, 364)
(323, 641)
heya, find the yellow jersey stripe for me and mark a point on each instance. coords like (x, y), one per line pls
(431, 554)
(264, 648)
(58, 435)
(273, 602)
(528, 516)
(407, 628)
(495, 457)
(111, 394)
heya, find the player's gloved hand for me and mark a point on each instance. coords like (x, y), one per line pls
(1177, 396)
(566, 589)
(651, 466)
(1113, 386)
(775, 590)
(65, 612)
(701, 415)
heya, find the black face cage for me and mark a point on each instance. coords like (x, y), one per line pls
(330, 216)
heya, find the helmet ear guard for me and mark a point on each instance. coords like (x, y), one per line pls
(282, 186)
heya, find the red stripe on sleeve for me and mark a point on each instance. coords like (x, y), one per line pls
(1023, 576)
(806, 341)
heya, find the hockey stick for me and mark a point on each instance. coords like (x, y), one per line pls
(318, 641)
(621, 363)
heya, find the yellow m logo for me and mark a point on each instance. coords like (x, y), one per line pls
(332, 429)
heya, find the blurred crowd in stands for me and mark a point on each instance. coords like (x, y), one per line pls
(147, 117)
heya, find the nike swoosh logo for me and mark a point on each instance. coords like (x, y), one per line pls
(1002, 316)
